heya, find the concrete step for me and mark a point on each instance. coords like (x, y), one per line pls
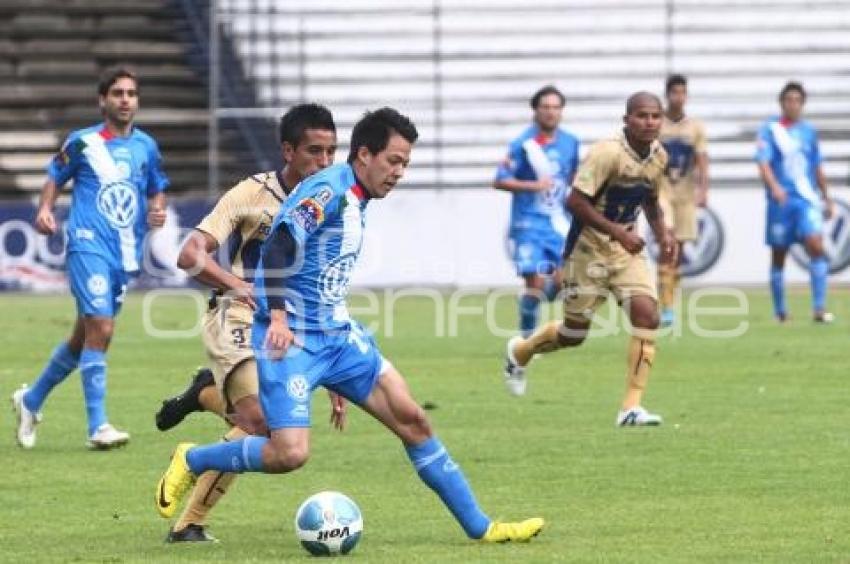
(51, 95)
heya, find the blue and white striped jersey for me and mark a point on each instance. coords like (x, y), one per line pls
(113, 178)
(793, 153)
(325, 217)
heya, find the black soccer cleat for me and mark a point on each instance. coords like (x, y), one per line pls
(192, 533)
(175, 409)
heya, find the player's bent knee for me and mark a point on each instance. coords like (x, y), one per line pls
(288, 460)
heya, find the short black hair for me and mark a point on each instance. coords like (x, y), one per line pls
(111, 75)
(638, 98)
(302, 117)
(675, 80)
(375, 128)
(545, 91)
(792, 86)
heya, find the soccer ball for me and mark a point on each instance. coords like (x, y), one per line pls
(328, 523)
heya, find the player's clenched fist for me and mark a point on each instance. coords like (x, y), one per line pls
(630, 241)
(156, 217)
(278, 337)
(45, 222)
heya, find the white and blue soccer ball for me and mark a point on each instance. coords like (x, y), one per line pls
(328, 523)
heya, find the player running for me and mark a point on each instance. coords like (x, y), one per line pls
(538, 171)
(117, 197)
(605, 254)
(685, 186)
(242, 216)
(303, 336)
(789, 163)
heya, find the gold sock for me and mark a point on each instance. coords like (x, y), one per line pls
(667, 281)
(545, 339)
(639, 358)
(211, 400)
(208, 490)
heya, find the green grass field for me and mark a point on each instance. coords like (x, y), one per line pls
(751, 465)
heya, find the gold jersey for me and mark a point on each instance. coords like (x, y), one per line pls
(241, 221)
(683, 140)
(618, 181)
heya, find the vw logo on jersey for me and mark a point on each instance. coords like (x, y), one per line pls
(701, 255)
(836, 241)
(336, 278)
(298, 388)
(118, 203)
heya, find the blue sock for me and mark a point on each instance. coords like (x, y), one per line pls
(777, 291)
(528, 306)
(244, 455)
(62, 362)
(819, 270)
(93, 369)
(439, 471)
(550, 289)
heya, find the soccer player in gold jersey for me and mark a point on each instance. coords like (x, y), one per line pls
(604, 252)
(686, 184)
(238, 224)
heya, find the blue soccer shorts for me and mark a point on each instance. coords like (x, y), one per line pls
(98, 288)
(792, 222)
(348, 363)
(537, 252)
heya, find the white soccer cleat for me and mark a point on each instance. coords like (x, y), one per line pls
(106, 437)
(514, 373)
(637, 416)
(824, 317)
(27, 420)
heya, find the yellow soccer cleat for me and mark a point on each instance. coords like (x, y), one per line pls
(175, 482)
(517, 532)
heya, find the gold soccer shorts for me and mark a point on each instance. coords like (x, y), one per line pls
(589, 275)
(227, 339)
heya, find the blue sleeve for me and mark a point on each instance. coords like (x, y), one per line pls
(764, 144)
(310, 206)
(817, 158)
(511, 163)
(575, 158)
(65, 163)
(157, 180)
(278, 253)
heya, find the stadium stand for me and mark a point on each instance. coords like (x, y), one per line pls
(464, 68)
(51, 54)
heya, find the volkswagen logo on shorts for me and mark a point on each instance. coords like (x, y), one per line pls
(298, 388)
(117, 202)
(336, 278)
(701, 255)
(836, 241)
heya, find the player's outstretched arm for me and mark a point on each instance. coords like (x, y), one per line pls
(777, 193)
(580, 205)
(666, 241)
(196, 260)
(45, 221)
(514, 185)
(156, 210)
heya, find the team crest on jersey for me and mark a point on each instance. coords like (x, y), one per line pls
(118, 203)
(309, 214)
(324, 196)
(298, 388)
(71, 148)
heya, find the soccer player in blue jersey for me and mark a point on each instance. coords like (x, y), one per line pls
(117, 197)
(303, 336)
(538, 171)
(789, 163)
